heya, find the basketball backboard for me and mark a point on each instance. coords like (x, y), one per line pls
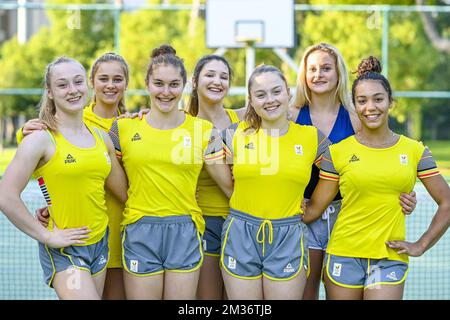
(261, 23)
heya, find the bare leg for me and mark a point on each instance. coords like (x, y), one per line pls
(180, 285)
(77, 284)
(210, 283)
(313, 281)
(143, 288)
(114, 287)
(285, 290)
(385, 292)
(335, 292)
(242, 289)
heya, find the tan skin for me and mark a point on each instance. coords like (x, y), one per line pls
(68, 90)
(322, 80)
(269, 96)
(109, 83)
(165, 87)
(372, 107)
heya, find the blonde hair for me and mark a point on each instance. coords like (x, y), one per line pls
(251, 117)
(47, 107)
(107, 57)
(303, 93)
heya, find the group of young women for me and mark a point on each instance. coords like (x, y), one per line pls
(210, 202)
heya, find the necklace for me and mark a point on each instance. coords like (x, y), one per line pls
(387, 143)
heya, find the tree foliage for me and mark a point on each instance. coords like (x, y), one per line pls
(414, 64)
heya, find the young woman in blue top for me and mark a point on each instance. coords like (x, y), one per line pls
(322, 100)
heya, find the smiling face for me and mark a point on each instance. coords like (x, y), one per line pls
(68, 87)
(213, 81)
(372, 104)
(269, 96)
(109, 83)
(165, 86)
(321, 73)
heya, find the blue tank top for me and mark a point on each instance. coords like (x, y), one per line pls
(342, 129)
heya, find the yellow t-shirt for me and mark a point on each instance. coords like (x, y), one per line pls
(370, 181)
(271, 173)
(92, 119)
(211, 199)
(162, 167)
(72, 182)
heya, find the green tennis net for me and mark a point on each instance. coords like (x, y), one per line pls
(21, 275)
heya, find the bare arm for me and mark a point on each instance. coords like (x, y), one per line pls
(440, 192)
(321, 198)
(29, 153)
(117, 181)
(221, 174)
(29, 127)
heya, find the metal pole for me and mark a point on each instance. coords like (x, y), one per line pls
(22, 24)
(117, 11)
(249, 62)
(385, 44)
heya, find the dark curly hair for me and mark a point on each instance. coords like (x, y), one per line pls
(165, 55)
(370, 69)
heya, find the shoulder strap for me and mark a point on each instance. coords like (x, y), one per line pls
(233, 115)
(52, 138)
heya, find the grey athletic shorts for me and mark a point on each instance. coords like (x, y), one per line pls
(92, 258)
(212, 236)
(152, 245)
(363, 272)
(319, 231)
(254, 247)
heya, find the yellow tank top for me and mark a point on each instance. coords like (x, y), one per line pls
(73, 184)
(271, 173)
(91, 119)
(115, 207)
(162, 167)
(211, 198)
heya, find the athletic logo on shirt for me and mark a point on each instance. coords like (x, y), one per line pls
(136, 137)
(337, 268)
(404, 159)
(249, 145)
(231, 263)
(298, 149)
(354, 158)
(70, 159)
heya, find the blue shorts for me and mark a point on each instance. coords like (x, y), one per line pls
(364, 272)
(152, 245)
(254, 247)
(319, 231)
(92, 258)
(212, 236)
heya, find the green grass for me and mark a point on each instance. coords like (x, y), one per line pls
(441, 153)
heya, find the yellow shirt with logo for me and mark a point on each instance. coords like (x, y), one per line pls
(211, 199)
(271, 173)
(162, 167)
(370, 181)
(72, 182)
